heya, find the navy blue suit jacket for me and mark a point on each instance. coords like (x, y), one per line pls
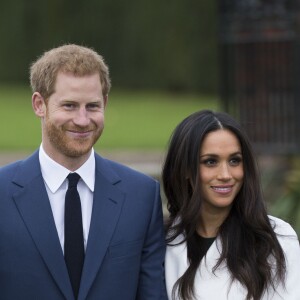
(125, 249)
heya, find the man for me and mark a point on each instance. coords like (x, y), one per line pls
(107, 243)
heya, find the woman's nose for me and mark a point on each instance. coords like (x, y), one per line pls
(224, 172)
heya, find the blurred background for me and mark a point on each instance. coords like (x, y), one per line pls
(168, 59)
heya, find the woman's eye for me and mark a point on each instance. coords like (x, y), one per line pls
(210, 162)
(235, 161)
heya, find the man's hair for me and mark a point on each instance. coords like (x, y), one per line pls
(70, 58)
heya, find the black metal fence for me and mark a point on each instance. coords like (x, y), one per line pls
(260, 70)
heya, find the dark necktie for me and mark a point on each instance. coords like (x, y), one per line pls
(74, 245)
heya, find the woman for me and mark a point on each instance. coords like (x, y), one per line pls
(221, 242)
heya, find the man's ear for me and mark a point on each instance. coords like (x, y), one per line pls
(38, 105)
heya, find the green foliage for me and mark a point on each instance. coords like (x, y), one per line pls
(169, 45)
(133, 120)
(19, 128)
(287, 206)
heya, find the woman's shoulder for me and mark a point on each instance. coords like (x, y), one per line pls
(281, 227)
(178, 240)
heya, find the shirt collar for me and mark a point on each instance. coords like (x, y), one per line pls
(55, 174)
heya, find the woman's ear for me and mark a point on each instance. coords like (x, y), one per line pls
(38, 105)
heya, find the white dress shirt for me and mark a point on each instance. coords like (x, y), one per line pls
(55, 178)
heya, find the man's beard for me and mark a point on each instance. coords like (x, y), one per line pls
(70, 146)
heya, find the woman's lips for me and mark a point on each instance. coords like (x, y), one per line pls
(222, 189)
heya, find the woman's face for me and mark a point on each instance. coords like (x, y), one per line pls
(221, 171)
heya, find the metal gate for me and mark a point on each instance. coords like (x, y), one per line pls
(260, 70)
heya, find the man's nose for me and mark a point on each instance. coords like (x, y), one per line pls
(81, 117)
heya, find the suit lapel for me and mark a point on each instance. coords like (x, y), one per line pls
(107, 205)
(33, 204)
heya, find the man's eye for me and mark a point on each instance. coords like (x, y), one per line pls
(94, 106)
(69, 105)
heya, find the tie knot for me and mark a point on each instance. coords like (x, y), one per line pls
(73, 179)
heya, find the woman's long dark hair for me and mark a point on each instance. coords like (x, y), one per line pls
(247, 236)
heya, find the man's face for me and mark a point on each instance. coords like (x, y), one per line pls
(74, 117)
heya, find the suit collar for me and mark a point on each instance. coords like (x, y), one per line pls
(28, 169)
(107, 206)
(103, 166)
(31, 199)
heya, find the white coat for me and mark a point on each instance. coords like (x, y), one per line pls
(209, 286)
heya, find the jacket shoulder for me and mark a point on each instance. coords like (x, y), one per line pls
(124, 172)
(281, 227)
(7, 171)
